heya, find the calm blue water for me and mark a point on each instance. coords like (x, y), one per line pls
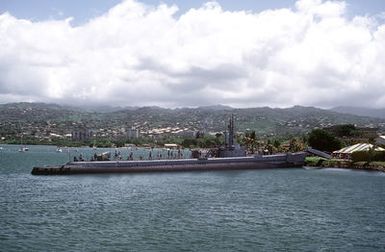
(264, 210)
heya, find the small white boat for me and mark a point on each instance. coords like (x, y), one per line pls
(23, 149)
(59, 149)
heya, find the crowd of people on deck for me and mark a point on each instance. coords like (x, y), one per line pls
(150, 155)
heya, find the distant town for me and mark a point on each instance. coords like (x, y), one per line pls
(260, 128)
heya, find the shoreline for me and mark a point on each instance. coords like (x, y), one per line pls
(346, 164)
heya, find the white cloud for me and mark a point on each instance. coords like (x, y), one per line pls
(135, 54)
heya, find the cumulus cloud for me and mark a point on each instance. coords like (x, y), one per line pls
(135, 54)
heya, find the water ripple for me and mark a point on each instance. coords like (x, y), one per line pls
(267, 210)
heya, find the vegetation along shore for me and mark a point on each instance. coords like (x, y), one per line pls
(259, 130)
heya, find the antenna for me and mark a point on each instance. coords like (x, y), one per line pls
(231, 131)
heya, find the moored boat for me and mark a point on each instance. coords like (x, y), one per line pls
(228, 157)
(23, 149)
(287, 160)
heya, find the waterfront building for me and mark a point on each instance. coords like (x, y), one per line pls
(82, 135)
(171, 146)
(345, 153)
(380, 140)
(132, 133)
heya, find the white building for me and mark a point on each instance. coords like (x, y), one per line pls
(345, 153)
(380, 140)
(132, 133)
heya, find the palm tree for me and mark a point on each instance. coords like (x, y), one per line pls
(250, 141)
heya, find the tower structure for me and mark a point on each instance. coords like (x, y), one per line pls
(231, 132)
(231, 148)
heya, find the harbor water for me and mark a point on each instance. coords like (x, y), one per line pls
(253, 210)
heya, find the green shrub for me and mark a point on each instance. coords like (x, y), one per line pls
(314, 161)
(358, 156)
(379, 156)
(322, 140)
(368, 156)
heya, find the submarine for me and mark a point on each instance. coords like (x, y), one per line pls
(229, 157)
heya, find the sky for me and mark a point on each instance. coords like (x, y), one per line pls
(248, 53)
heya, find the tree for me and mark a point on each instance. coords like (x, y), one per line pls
(324, 141)
(251, 142)
(199, 134)
(208, 142)
(276, 143)
(296, 145)
(189, 142)
(343, 130)
(218, 135)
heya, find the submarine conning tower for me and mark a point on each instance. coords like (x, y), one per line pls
(231, 148)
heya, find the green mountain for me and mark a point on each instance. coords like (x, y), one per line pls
(44, 119)
(361, 111)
